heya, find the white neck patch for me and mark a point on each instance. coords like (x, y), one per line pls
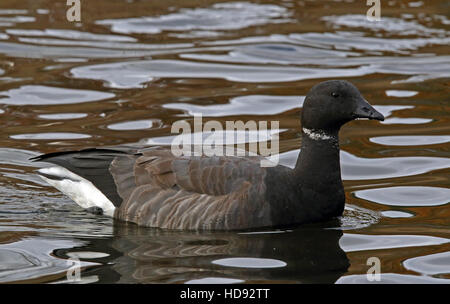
(317, 134)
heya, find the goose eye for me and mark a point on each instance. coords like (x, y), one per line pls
(334, 94)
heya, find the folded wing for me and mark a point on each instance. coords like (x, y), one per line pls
(196, 192)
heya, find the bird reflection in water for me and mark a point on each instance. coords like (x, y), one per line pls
(307, 254)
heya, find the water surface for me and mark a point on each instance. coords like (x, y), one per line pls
(130, 69)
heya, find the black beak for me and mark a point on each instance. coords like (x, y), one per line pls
(365, 110)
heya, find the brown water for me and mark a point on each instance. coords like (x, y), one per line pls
(131, 68)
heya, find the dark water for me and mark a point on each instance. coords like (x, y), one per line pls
(130, 69)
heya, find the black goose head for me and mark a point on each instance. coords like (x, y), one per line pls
(331, 104)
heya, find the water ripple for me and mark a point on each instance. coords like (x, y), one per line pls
(406, 196)
(433, 264)
(133, 125)
(69, 34)
(134, 74)
(243, 105)
(391, 278)
(360, 242)
(410, 140)
(391, 25)
(45, 95)
(401, 93)
(63, 116)
(32, 51)
(220, 16)
(49, 136)
(30, 259)
(250, 263)
(359, 168)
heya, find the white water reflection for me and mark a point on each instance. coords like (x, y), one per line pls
(63, 116)
(406, 121)
(391, 25)
(133, 125)
(346, 41)
(410, 140)
(13, 11)
(355, 168)
(18, 157)
(220, 16)
(360, 242)
(129, 49)
(276, 53)
(45, 95)
(401, 93)
(360, 168)
(69, 34)
(134, 74)
(30, 259)
(250, 262)
(406, 196)
(243, 105)
(21, 50)
(396, 214)
(49, 136)
(11, 21)
(391, 278)
(87, 255)
(214, 280)
(388, 110)
(433, 264)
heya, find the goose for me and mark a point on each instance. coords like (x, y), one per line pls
(152, 187)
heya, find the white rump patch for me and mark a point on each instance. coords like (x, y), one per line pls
(79, 189)
(317, 135)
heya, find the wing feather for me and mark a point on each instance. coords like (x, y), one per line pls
(191, 192)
